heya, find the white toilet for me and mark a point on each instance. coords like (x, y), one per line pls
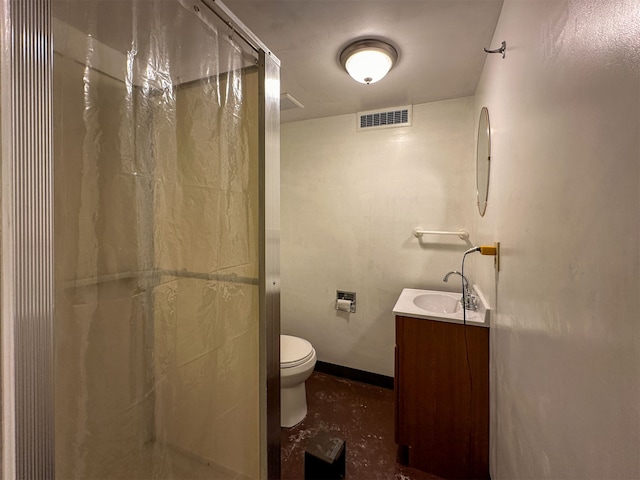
(297, 359)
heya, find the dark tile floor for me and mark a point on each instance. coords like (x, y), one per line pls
(360, 414)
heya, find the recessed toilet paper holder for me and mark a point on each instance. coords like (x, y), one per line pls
(346, 301)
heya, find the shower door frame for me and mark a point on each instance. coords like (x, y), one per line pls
(27, 238)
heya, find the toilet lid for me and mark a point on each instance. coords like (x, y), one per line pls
(294, 351)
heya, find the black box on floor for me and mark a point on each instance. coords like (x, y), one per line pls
(325, 458)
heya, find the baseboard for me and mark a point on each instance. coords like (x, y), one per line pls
(355, 374)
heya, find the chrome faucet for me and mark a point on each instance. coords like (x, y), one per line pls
(470, 301)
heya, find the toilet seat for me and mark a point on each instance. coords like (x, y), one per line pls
(294, 351)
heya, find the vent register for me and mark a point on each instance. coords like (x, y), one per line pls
(373, 119)
(388, 118)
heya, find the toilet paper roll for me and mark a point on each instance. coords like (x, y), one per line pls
(344, 305)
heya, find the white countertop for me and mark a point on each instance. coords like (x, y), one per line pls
(406, 306)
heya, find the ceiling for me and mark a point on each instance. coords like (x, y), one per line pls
(439, 43)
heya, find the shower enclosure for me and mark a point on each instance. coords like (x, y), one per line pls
(140, 236)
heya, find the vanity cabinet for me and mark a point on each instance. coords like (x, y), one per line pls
(442, 397)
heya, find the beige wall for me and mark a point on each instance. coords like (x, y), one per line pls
(565, 203)
(156, 328)
(350, 202)
(1, 290)
(103, 409)
(206, 342)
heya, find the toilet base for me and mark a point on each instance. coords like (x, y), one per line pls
(293, 405)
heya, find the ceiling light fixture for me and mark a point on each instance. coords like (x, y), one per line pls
(367, 61)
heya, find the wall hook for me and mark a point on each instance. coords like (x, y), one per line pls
(501, 50)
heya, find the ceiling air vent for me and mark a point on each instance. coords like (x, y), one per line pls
(391, 117)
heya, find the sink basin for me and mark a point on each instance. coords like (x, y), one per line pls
(437, 302)
(441, 306)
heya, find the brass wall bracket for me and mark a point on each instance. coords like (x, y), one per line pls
(495, 251)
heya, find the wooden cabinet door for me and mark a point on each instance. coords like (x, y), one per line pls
(442, 396)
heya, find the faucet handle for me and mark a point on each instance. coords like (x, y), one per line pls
(471, 302)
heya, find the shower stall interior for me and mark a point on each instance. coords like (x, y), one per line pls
(140, 315)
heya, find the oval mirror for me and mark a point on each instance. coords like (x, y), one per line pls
(483, 160)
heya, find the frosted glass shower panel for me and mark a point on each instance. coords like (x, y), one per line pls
(156, 243)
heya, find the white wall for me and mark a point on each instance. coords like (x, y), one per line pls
(350, 202)
(565, 203)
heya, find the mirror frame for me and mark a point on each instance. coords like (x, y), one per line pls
(484, 128)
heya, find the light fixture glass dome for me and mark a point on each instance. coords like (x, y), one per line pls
(367, 61)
